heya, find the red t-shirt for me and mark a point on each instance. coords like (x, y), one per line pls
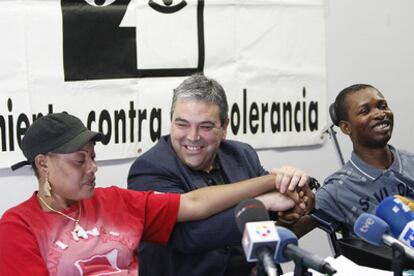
(34, 242)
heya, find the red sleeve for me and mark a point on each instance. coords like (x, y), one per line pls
(160, 216)
(153, 214)
(19, 251)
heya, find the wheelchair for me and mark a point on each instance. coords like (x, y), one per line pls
(342, 242)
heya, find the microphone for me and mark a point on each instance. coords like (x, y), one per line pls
(399, 217)
(259, 233)
(287, 250)
(407, 201)
(375, 231)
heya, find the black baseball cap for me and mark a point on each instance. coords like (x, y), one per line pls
(57, 133)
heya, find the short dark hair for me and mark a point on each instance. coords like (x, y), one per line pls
(340, 107)
(199, 87)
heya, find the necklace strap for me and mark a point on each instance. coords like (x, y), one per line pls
(59, 212)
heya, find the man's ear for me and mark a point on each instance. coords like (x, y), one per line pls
(225, 125)
(345, 127)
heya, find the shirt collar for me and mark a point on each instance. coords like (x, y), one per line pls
(371, 172)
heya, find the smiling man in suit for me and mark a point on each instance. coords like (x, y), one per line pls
(194, 155)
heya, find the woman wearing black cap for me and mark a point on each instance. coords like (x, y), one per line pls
(69, 227)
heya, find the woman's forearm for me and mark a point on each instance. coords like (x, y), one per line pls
(204, 202)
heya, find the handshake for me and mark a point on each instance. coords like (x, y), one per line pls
(292, 198)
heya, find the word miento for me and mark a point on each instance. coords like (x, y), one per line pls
(288, 116)
(12, 130)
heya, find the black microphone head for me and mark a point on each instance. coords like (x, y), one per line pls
(250, 210)
(328, 269)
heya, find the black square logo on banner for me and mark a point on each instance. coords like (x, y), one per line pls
(107, 39)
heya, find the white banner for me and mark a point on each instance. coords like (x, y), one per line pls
(114, 63)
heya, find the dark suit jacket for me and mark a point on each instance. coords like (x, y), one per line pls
(200, 247)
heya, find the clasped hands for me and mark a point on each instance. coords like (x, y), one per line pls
(293, 198)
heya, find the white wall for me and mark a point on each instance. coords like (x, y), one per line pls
(368, 41)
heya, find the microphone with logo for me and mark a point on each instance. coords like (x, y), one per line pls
(400, 219)
(407, 201)
(287, 249)
(376, 231)
(259, 235)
